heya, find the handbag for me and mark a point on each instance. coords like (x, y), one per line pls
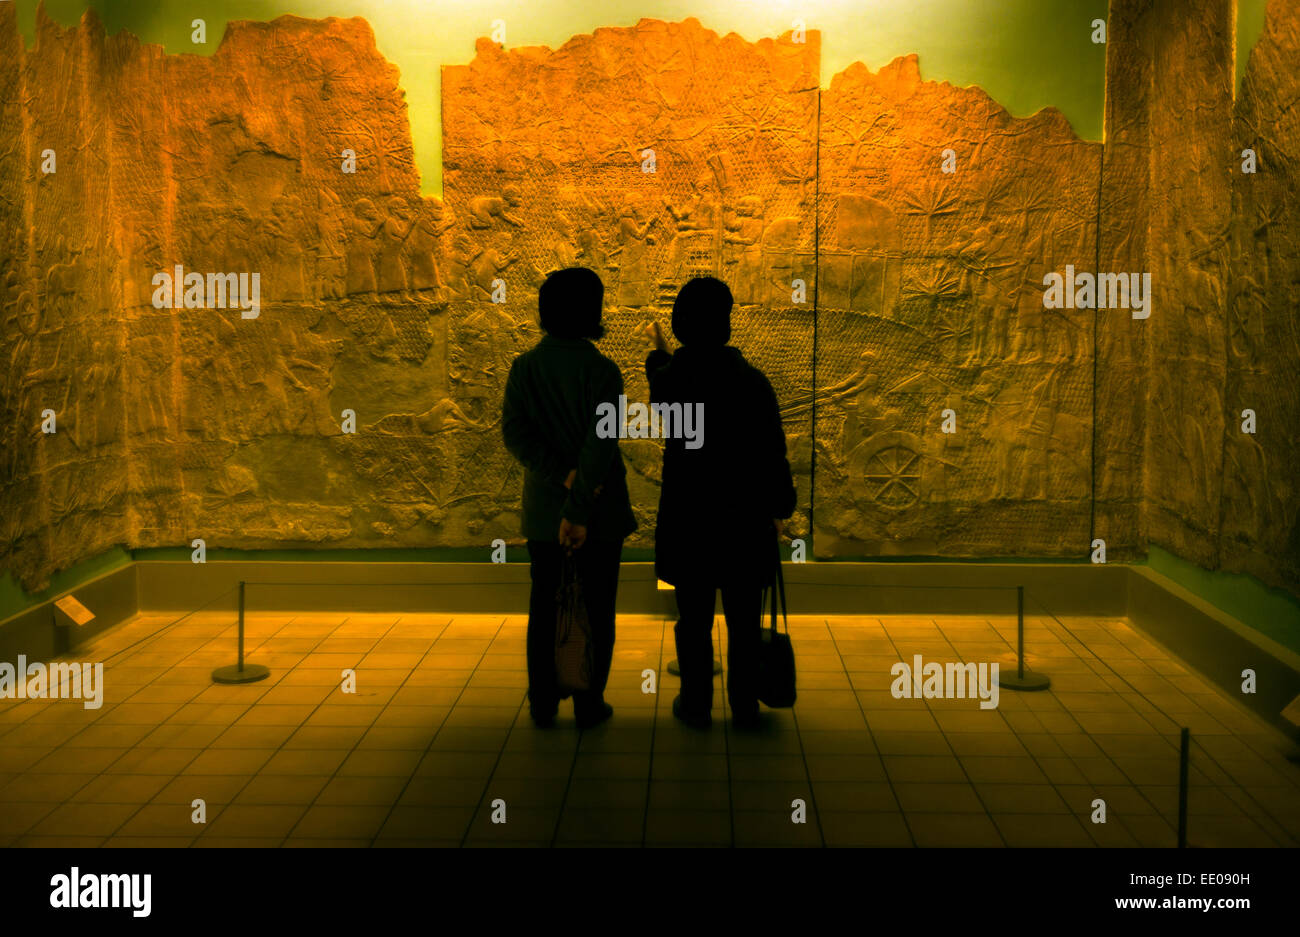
(573, 652)
(776, 681)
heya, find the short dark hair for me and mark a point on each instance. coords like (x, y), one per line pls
(702, 312)
(570, 303)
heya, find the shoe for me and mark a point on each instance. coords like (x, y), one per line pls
(745, 719)
(696, 720)
(542, 710)
(589, 720)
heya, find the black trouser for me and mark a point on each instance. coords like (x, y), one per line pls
(743, 607)
(598, 563)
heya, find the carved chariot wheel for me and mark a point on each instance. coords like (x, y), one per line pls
(887, 470)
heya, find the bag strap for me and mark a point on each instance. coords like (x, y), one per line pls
(777, 589)
(780, 590)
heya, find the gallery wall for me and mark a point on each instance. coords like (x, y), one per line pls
(1200, 402)
(924, 308)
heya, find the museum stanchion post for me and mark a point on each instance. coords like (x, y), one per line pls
(1022, 679)
(240, 672)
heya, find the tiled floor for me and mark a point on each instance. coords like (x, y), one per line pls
(437, 739)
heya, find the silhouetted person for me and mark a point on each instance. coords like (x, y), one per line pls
(575, 487)
(722, 498)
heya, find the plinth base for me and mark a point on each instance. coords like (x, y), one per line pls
(250, 673)
(1029, 681)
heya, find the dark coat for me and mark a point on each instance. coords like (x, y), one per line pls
(549, 421)
(718, 501)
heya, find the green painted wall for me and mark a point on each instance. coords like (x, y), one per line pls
(1270, 611)
(14, 600)
(1250, 25)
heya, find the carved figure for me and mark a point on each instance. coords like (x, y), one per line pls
(485, 208)
(362, 248)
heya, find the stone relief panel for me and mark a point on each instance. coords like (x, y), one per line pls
(180, 420)
(651, 154)
(260, 187)
(1122, 341)
(1260, 529)
(940, 217)
(1188, 257)
(63, 494)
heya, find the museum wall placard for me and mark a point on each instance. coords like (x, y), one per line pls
(220, 278)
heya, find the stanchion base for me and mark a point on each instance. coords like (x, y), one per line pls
(1012, 680)
(676, 670)
(232, 674)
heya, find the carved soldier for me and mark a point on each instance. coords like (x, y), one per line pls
(286, 255)
(151, 397)
(742, 253)
(696, 233)
(366, 223)
(393, 232)
(591, 250)
(331, 247)
(62, 280)
(632, 258)
(992, 307)
(459, 258)
(486, 267)
(424, 244)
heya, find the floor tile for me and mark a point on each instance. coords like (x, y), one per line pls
(954, 830)
(437, 739)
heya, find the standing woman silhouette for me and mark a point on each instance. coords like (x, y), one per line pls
(575, 497)
(723, 498)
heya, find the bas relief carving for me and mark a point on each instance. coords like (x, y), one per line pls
(1260, 496)
(930, 299)
(547, 165)
(924, 289)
